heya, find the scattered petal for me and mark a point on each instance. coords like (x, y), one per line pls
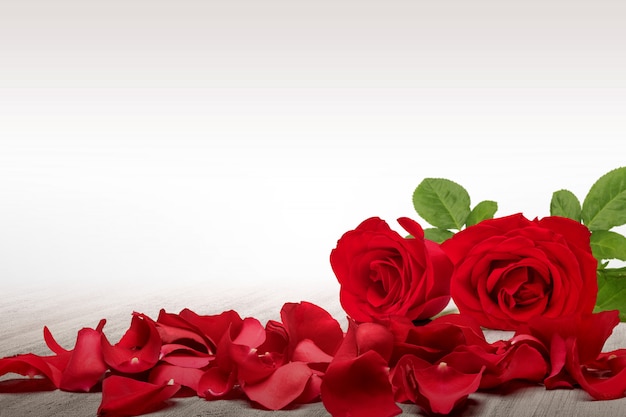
(359, 387)
(138, 350)
(123, 396)
(436, 388)
(282, 387)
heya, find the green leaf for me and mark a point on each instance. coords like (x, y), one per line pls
(605, 204)
(608, 245)
(565, 204)
(612, 291)
(483, 211)
(442, 203)
(437, 235)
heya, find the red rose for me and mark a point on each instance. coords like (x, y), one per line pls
(383, 274)
(509, 270)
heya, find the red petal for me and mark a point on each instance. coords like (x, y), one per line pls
(412, 227)
(241, 357)
(86, 366)
(591, 331)
(445, 387)
(348, 349)
(372, 336)
(604, 384)
(252, 333)
(173, 329)
(186, 377)
(308, 321)
(123, 396)
(359, 387)
(518, 362)
(436, 388)
(137, 351)
(31, 365)
(52, 343)
(440, 337)
(215, 383)
(308, 352)
(213, 327)
(185, 356)
(311, 391)
(282, 387)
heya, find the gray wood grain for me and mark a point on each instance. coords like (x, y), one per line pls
(24, 312)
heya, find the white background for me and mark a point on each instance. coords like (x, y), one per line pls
(167, 143)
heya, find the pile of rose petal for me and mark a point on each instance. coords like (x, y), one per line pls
(307, 357)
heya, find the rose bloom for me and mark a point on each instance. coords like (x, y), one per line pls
(509, 270)
(384, 275)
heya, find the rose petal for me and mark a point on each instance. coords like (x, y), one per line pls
(521, 361)
(281, 388)
(308, 321)
(605, 386)
(311, 391)
(186, 377)
(373, 336)
(123, 396)
(31, 366)
(138, 350)
(440, 337)
(437, 388)
(308, 352)
(591, 331)
(214, 327)
(174, 329)
(79, 369)
(252, 334)
(215, 383)
(359, 387)
(86, 366)
(185, 356)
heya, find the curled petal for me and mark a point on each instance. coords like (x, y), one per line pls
(215, 383)
(308, 321)
(311, 391)
(31, 366)
(52, 343)
(251, 334)
(186, 377)
(308, 352)
(282, 387)
(238, 353)
(138, 350)
(214, 327)
(518, 362)
(79, 369)
(601, 384)
(174, 329)
(436, 388)
(181, 355)
(123, 396)
(440, 337)
(590, 330)
(86, 366)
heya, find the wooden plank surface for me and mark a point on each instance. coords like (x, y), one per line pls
(24, 312)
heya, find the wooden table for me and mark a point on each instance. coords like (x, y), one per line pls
(68, 308)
